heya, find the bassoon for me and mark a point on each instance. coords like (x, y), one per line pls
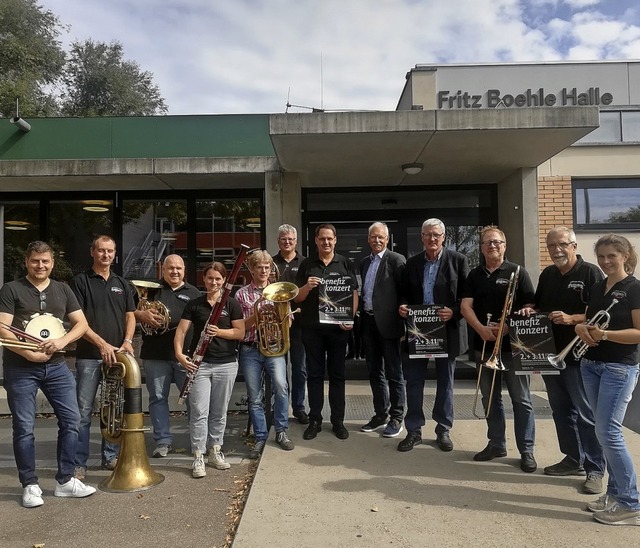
(214, 316)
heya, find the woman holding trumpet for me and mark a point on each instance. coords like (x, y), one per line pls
(209, 396)
(610, 372)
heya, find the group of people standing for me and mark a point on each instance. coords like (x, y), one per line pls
(588, 398)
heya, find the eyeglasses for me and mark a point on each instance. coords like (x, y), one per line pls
(287, 240)
(493, 243)
(43, 301)
(561, 245)
(432, 235)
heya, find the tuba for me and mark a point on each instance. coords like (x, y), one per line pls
(143, 288)
(272, 313)
(121, 421)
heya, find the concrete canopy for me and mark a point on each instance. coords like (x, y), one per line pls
(456, 147)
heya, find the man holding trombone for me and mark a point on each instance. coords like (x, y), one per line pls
(563, 293)
(492, 289)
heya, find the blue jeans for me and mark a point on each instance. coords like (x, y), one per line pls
(209, 402)
(384, 363)
(59, 387)
(159, 376)
(573, 417)
(326, 345)
(252, 364)
(88, 375)
(415, 375)
(609, 387)
(524, 424)
(297, 359)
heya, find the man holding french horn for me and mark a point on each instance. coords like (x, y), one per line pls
(160, 364)
(485, 296)
(564, 289)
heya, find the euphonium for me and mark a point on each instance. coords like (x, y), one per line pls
(272, 314)
(122, 421)
(143, 288)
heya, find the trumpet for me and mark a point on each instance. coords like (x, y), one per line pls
(495, 361)
(601, 319)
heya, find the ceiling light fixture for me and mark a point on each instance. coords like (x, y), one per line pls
(412, 169)
(96, 206)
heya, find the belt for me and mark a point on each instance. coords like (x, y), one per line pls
(253, 344)
(368, 312)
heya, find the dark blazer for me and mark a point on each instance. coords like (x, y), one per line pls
(386, 293)
(447, 290)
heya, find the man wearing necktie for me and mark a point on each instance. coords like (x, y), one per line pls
(382, 327)
(435, 276)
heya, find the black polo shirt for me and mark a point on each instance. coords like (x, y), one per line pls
(21, 299)
(568, 293)
(105, 304)
(627, 293)
(339, 266)
(160, 347)
(219, 350)
(288, 270)
(489, 290)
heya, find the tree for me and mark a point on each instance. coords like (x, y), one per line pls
(632, 215)
(99, 82)
(31, 58)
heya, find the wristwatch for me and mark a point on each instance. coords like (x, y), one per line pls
(131, 342)
(604, 335)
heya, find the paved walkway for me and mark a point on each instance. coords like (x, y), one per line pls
(327, 492)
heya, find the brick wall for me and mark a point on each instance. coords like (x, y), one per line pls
(554, 209)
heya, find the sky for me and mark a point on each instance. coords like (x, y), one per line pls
(250, 56)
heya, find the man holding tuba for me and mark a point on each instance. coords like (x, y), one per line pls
(254, 364)
(160, 364)
(107, 302)
(485, 293)
(564, 289)
(26, 370)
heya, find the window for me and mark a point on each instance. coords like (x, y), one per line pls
(21, 226)
(607, 204)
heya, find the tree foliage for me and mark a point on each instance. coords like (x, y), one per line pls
(99, 82)
(93, 80)
(31, 58)
(632, 215)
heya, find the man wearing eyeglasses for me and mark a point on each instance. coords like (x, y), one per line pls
(288, 261)
(563, 293)
(325, 344)
(108, 303)
(436, 276)
(485, 294)
(27, 370)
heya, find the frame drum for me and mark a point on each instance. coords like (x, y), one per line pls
(45, 326)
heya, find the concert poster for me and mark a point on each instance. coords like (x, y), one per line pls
(335, 302)
(531, 344)
(426, 332)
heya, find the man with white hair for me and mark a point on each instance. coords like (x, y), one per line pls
(435, 276)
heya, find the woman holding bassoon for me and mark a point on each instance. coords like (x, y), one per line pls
(610, 373)
(210, 392)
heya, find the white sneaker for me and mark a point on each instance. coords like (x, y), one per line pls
(216, 459)
(32, 496)
(197, 468)
(74, 488)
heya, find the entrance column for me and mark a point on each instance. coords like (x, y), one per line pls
(282, 204)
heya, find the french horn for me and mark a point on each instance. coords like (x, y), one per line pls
(144, 289)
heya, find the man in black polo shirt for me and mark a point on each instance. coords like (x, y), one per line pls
(324, 340)
(107, 302)
(563, 293)
(160, 365)
(288, 261)
(484, 293)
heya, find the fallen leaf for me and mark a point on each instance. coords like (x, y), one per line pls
(220, 489)
(374, 509)
(39, 545)
(144, 516)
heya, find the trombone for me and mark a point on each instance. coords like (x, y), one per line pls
(495, 361)
(601, 319)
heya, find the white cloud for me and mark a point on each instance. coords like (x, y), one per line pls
(243, 56)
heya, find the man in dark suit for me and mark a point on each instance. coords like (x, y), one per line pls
(382, 327)
(436, 276)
